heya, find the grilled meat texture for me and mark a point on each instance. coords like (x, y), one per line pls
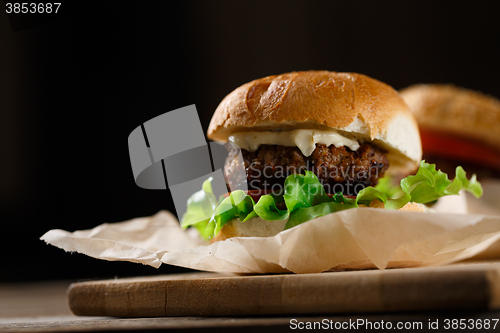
(339, 169)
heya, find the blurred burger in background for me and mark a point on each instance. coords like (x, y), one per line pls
(457, 127)
(460, 127)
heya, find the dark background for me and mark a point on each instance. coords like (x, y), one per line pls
(73, 85)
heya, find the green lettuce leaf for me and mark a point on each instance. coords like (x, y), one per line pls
(389, 187)
(430, 184)
(461, 182)
(267, 210)
(302, 191)
(305, 199)
(368, 194)
(200, 208)
(397, 203)
(339, 198)
(237, 205)
(302, 215)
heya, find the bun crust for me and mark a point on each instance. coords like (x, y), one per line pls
(352, 104)
(458, 111)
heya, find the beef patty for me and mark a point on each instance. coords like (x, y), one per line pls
(338, 168)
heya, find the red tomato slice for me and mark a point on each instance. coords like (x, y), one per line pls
(447, 145)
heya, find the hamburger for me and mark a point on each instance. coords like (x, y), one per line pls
(458, 127)
(313, 143)
(347, 127)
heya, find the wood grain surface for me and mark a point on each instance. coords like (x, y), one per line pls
(460, 286)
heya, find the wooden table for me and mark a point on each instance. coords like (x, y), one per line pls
(42, 307)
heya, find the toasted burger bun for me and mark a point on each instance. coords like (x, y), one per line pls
(258, 227)
(352, 104)
(457, 126)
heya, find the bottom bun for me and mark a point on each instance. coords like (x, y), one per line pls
(415, 207)
(258, 227)
(254, 227)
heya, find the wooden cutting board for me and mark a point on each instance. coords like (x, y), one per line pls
(459, 286)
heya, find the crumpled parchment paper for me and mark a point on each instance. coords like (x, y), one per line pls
(350, 239)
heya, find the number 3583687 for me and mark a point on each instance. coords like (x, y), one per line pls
(27, 7)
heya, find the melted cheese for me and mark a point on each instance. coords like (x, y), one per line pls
(304, 139)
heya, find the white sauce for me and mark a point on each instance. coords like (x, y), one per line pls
(304, 139)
